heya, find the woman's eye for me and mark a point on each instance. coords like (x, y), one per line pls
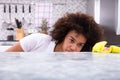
(71, 40)
(81, 45)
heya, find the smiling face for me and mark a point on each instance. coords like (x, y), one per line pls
(73, 42)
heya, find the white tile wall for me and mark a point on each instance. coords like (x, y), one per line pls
(43, 10)
(59, 8)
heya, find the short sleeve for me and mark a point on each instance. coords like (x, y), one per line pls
(28, 42)
(35, 42)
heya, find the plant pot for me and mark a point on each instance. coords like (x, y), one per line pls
(44, 32)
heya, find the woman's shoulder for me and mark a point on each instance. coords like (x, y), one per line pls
(40, 36)
(36, 39)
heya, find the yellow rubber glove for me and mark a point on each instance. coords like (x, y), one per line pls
(100, 47)
(115, 49)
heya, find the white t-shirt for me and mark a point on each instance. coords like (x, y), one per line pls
(37, 42)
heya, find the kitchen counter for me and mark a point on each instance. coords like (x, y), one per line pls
(7, 43)
(3, 48)
(4, 44)
(59, 66)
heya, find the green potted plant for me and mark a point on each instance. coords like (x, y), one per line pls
(44, 27)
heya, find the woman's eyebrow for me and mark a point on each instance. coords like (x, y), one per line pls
(75, 40)
(72, 38)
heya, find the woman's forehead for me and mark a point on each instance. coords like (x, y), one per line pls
(73, 32)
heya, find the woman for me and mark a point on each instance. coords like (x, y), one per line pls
(74, 32)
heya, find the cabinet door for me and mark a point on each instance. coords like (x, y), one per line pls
(118, 18)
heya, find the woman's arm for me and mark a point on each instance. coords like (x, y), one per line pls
(15, 48)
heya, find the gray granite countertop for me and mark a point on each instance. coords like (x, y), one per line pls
(59, 66)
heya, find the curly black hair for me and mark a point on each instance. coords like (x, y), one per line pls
(82, 24)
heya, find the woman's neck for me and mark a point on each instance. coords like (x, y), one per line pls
(58, 48)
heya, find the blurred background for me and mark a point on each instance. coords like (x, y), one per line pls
(32, 15)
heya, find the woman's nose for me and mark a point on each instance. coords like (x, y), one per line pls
(74, 47)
